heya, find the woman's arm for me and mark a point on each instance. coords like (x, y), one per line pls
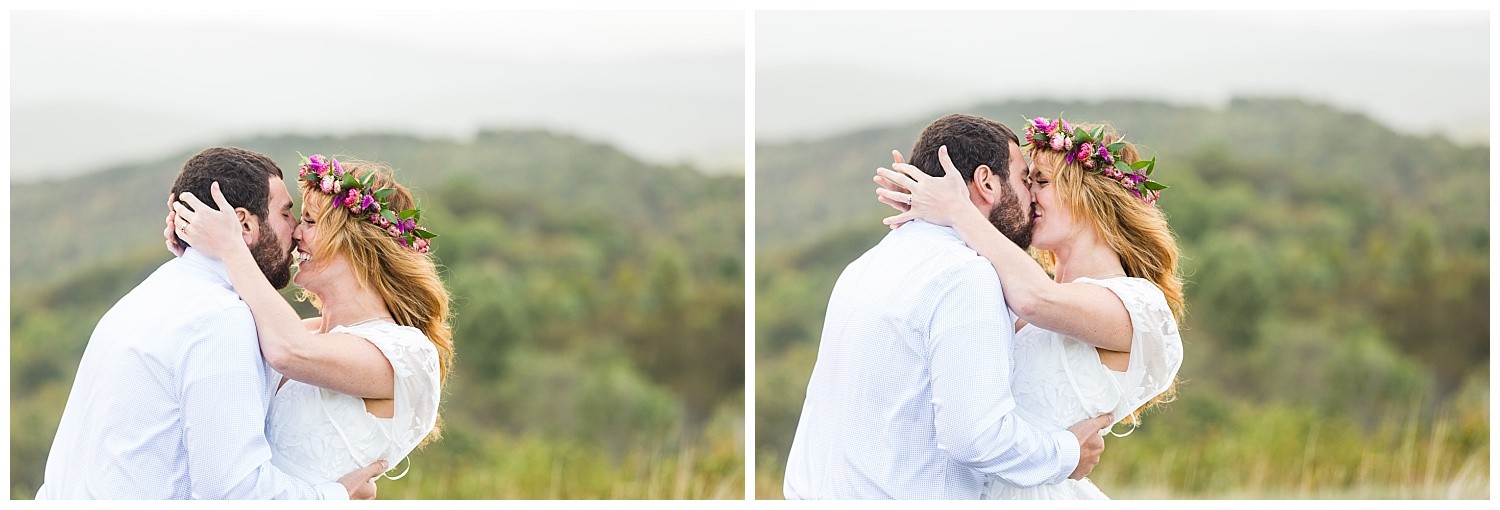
(1090, 313)
(339, 362)
(172, 245)
(313, 324)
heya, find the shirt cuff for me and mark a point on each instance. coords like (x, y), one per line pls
(336, 491)
(1067, 454)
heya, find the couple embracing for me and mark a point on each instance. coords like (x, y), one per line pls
(203, 382)
(951, 364)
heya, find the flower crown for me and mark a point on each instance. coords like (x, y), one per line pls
(354, 193)
(1089, 150)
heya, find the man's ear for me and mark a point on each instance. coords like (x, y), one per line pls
(249, 225)
(981, 184)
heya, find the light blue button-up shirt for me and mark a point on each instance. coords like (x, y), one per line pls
(910, 397)
(170, 399)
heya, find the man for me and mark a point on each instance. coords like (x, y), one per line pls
(171, 396)
(910, 397)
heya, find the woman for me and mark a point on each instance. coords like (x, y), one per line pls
(1101, 334)
(362, 382)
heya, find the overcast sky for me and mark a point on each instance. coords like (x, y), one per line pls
(90, 88)
(820, 73)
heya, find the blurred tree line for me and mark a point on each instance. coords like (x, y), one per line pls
(599, 310)
(1337, 286)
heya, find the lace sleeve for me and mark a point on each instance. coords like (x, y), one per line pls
(1155, 345)
(417, 391)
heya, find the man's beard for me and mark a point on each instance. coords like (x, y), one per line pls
(275, 262)
(1013, 220)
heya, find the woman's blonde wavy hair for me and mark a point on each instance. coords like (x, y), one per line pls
(1134, 229)
(407, 281)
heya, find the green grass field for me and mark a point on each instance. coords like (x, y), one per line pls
(542, 469)
(1282, 453)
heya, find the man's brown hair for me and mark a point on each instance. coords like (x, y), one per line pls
(971, 141)
(242, 177)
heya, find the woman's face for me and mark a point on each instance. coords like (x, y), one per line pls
(1053, 224)
(311, 270)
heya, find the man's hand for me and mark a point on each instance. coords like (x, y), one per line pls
(1090, 443)
(361, 483)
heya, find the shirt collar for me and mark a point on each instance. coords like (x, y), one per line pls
(200, 260)
(923, 228)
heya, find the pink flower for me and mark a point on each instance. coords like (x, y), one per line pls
(422, 245)
(1038, 124)
(327, 184)
(391, 229)
(1059, 142)
(1085, 155)
(338, 170)
(317, 163)
(1065, 127)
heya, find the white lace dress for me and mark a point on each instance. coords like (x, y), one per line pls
(1059, 381)
(319, 435)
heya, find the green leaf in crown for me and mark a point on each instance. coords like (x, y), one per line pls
(352, 192)
(1087, 149)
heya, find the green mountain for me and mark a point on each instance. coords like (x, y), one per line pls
(119, 207)
(805, 188)
(599, 309)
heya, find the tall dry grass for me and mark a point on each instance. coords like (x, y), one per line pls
(535, 467)
(1268, 451)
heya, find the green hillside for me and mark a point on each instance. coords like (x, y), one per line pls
(1337, 335)
(599, 303)
(120, 206)
(805, 188)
